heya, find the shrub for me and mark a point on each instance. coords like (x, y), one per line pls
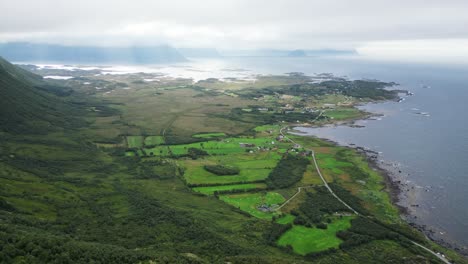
(289, 170)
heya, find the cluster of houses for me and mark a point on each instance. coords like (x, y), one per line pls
(296, 148)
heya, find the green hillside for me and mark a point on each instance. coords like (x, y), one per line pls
(30, 104)
(63, 200)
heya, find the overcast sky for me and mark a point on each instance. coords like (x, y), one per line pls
(367, 25)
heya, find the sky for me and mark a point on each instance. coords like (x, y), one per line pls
(410, 27)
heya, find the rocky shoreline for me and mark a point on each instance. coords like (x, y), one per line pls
(402, 193)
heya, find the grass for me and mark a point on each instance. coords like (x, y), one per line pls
(344, 113)
(209, 135)
(253, 167)
(286, 219)
(267, 128)
(226, 146)
(154, 140)
(306, 240)
(249, 202)
(135, 141)
(352, 171)
(211, 189)
(196, 174)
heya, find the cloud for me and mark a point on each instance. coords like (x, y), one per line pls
(233, 24)
(424, 50)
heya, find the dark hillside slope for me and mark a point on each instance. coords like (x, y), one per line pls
(28, 104)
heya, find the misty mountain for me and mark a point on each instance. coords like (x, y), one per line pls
(30, 52)
(297, 53)
(286, 53)
(199, 52)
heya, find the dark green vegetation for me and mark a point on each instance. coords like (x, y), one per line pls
(288, 171)
(30, 104)
(78, 182)
(317, 205)
(358, 89)
(222, 170)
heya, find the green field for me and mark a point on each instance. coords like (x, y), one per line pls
(286, 219)
(305, 240)
(154, 140)
(134, 141)
(253, 167)
(227, 146)
(209, 135)
(267, 128)
(198, 175)
(343, 113)
(249, 202)
(211, 189)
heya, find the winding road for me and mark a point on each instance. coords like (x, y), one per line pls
(439, 256)
(319, 173)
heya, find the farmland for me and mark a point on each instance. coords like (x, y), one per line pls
(153, 140)
(305, 240)
(135, 141)
(250, 202)
(132, 180)
(220, 188)
(209, 135)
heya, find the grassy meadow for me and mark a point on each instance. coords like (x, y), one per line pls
(305, 240)
(249, 202)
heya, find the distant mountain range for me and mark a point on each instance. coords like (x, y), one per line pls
(286, 53)
(32, 52)
(199, 52)
(297, 53)
(28, 52)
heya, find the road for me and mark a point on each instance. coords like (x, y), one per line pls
(440, 257)
(292, 197)
(319, 173)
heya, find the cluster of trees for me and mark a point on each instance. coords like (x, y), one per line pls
(32, 247)
(191, 185)
(153, 170)
(196, 153)
(6, 206)
(275, 232)
(370, 89)
(358, 88)
(287, 172)
(234, 191)
(222, 170)
(364, 230)
(237, 114)
(316, 206)
(349, 198)
(314, 255)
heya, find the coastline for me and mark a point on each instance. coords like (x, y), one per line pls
(402, 193)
